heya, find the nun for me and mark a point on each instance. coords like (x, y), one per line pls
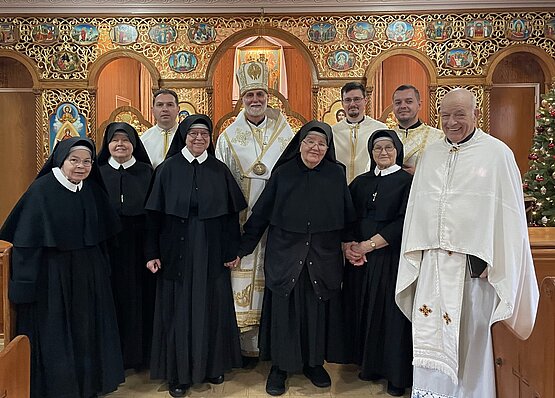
(126, 171)
(305, 206)
(192, 232)
(378, 335)
(60, 276)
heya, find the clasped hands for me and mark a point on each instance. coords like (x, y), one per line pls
(355, 252)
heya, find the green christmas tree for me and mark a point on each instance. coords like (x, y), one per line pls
(540, 178)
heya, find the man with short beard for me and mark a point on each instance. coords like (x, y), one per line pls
(413, 133)
(350, 135)
(250, 147)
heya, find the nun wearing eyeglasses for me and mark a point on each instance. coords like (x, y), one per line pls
(305, 206)
(192, 232)
(126, 171)
(378, 335)
(60, 276)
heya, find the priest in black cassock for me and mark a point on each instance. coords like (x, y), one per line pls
(60, 276)
(192, 232)
(126, 171)
(305, 206)
(378, 335)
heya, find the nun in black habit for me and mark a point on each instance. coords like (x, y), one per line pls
(378, 335)
(305, 206)
(126, 171)
(60, 276)
(192, 231)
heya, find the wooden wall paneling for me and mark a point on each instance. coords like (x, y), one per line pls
(18, 149)
(121, 77)
(299, 82)
(512, 111)
(404, 69)
(519, 67)
(526, 369)
(13, 74)
(223, 85)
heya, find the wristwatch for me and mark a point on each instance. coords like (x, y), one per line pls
(372, 244)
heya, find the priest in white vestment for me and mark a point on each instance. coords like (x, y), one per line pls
(250, 147)
(465, 257)
(350, 135)
(157, 139)
(413, 133)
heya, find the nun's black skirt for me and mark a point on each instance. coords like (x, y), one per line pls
(300, 329)
(72, 327)
(195, 334)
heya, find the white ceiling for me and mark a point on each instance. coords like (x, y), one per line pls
(168, 7)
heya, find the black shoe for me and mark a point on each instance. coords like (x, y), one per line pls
(178, 390)
(370, 377)
(317, 375)
(394, 390)
(275, 385)
(216, 380)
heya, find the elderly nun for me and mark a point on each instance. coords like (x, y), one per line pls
(60, 276)
(126, 171)
(305, 206)
(378, 335)
(192, 232)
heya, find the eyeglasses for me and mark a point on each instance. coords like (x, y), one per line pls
(77, 162)
(356, 100)
(379, 149)
(203, 134)
(311, 144)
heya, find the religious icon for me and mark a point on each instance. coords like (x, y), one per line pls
(162, 34)
(65, 123)
(201, 33)
(45, 33)
(322, 32)
(84, 34)
(439, 30)
(459, 58)
(182, 115)
(124, 34)
(361, 32)
(9, 34)
(65, 62)
(183, 61)
(550, 29)
(340, 115)
(400, 31)
(478, 29)
(518, 29)
(341, 60)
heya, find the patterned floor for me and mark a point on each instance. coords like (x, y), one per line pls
(251, 383)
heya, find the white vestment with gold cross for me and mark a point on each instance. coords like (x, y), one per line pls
(242, 147)
(466, 199)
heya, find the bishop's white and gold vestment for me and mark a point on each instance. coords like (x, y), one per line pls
(250, 152)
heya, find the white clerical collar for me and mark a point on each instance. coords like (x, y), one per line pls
(114, 163)
(62, 179)
(389, 170)
(171, 130)
(190, 157)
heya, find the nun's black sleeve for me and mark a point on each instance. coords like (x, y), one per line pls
(232, 234)
(153, 224)
(26, 263)
(253, 230)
